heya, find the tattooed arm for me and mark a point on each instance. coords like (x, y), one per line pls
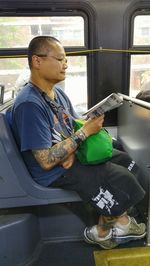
(48, 158)
(58, 154)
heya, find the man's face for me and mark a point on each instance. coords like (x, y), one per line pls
(52, 67)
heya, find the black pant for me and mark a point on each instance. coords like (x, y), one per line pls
(111, 188)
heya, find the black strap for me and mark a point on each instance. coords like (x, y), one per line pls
(58, 111)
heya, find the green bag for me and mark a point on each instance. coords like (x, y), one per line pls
(96, 148)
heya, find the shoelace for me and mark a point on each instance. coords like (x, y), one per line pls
(132, 221)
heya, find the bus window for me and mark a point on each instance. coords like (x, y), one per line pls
(75, 84)
(140, 62)
(10, 70)
(15, 35)
(69, 30)
(141, 33)
(140, 73)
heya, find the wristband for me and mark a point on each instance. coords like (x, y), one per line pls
(78, 137)
(81, 134)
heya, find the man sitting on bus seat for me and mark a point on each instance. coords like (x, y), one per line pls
(48, 144)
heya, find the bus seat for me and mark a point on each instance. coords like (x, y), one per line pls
(17, 188)
(134, 131)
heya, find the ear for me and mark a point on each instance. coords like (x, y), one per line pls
(36, 61)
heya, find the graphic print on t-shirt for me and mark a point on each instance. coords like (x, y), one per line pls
(57, 131)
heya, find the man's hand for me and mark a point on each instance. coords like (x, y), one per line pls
(57, 154)
(92, 126)
(68, 162)
(62, 153)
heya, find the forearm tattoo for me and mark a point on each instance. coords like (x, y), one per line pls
(48, 158)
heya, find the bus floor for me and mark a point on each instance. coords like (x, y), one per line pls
(76, 253)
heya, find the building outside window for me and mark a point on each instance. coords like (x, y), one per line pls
(15, 35)
(140, 62)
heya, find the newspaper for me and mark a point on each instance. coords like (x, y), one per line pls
(114, 100)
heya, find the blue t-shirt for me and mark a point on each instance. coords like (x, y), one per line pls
(36, 126)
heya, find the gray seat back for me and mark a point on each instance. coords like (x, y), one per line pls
(134, 130)
(17, 188)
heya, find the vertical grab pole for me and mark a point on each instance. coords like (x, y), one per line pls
(148, 218)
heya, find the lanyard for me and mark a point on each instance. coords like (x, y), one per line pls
(59, 111)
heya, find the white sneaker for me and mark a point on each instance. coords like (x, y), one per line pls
(133, 231)
(91, 237)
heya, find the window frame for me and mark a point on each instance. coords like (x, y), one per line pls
(132, 46)
(17, 52)
(85, 11)
(131, 13)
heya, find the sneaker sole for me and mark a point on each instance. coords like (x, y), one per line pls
(125, 239)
